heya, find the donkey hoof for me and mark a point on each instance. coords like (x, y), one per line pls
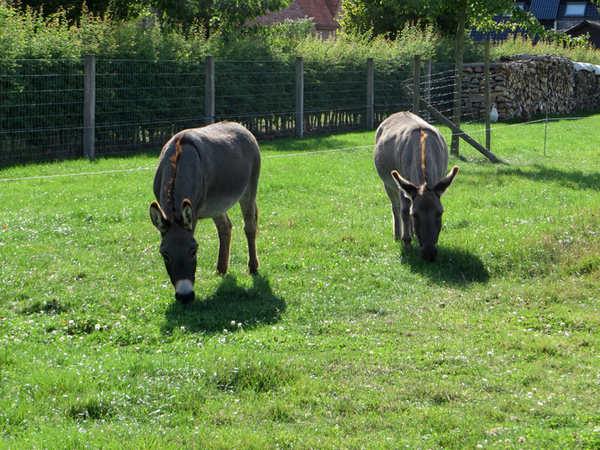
(406, 245)
(253, 267)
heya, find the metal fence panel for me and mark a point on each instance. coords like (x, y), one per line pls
(41, 112)
(258, 94)
(139, 105)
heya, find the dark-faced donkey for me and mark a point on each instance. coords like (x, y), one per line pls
(201, 174)
(411, 158)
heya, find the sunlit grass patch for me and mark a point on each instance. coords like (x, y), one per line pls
(343, 340)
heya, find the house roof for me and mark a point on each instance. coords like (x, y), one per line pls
(585, 24)
(544, 9)
(550, 13)
(320, 12)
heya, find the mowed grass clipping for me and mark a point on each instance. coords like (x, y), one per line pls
(343, 340)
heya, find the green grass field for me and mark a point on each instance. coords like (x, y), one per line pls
(342, 341)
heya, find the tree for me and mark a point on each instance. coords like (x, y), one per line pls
(213, 15)
(381, 17)
(388, 16)
(480, 14)
(118, 9)
(209, 14)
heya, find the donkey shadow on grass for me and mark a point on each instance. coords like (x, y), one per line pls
(452, 267)
(251, 307)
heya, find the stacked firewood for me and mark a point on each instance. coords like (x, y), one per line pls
(520, 86)
(587, 91)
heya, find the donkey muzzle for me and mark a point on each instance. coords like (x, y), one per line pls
(184, 291)
(429, 253)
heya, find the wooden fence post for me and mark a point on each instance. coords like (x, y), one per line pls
(416, 84)
(486, 70)
(370, 93)
(89, 106)
(299, 97)
(209, 80)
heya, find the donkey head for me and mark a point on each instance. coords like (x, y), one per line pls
(178, 248)
(426, 210)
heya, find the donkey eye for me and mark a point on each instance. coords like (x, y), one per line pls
(166, 257)
(193, 254)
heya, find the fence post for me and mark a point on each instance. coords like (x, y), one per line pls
(299, 97)
(427, 67)
(370, 92)
(209, 100)
(89, 106)
(486, 70)
(416, 84)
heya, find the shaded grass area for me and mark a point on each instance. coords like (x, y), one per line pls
(343, 341)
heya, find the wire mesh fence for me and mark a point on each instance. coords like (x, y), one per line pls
(334, 95)
(257, 94)
(139, 105)
(41, 109)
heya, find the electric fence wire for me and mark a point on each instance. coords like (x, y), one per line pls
(286, 155)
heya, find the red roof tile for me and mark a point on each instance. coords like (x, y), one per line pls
(322, 12)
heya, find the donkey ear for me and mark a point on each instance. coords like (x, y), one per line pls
(187, 214)
(158, 217)
(409, 189)
(445, 183)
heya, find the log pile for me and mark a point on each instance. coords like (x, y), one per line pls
(520, 85)
(586, 91)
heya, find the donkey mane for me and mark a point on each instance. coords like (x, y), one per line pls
(170, 186)
(423, 155)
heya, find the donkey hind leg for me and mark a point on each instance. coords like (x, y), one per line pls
(250, 214)
(394, 196)
(224, 227)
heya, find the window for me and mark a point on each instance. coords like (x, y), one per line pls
(575, 10)
(509, 12)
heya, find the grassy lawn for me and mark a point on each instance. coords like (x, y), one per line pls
(343, 340)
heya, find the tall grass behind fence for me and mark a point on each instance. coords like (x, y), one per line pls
(389, 94)
(41, 110)
(258, 94)
(334, 95)
(391, 81)
(141, 104)
(442, 88)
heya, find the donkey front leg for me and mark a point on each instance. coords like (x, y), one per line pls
(224, 227)
(394, 196)
(407, 223)
(250, 213)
